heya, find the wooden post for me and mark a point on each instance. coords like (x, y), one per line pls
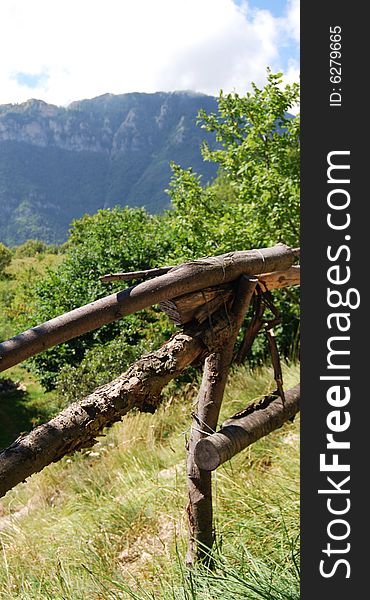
(216, 368)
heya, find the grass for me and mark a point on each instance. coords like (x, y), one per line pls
(24, 407)
(110, 522)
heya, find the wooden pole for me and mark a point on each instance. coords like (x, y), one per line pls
(180, 280)
(216, 368)
(247, 427)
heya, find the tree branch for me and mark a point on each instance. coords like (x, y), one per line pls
(135, 274)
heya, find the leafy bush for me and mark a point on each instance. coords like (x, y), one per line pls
(111, 240)
(30, 248)
(5, 258)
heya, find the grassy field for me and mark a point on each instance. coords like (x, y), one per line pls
(110, 522)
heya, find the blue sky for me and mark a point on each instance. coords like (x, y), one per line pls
(288, 44)
(31, 80)
(276, 7)
(60, 51)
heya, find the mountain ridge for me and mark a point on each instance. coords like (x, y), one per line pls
(57, 163)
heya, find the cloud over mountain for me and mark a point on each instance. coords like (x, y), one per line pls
(59, 51)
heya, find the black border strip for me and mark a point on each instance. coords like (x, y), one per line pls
(336, 124)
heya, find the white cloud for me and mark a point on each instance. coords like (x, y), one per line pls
(293, 19)
(292, 74)
(90, 47)
(291, 31)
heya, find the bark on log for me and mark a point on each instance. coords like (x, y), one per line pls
(140, 386)
(183, 279)
(198, 305)
(77, 426)
(216, 368)
(243, 429)
(252, 331)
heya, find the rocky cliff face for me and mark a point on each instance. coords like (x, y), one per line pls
(58, 163)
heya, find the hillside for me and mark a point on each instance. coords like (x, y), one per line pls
(58, 163)
(110, 522)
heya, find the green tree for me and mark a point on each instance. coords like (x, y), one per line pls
(120, 239)
(5, 258)
(260, 156)
(255, 200)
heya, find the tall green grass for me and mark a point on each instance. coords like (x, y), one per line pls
(25, 407)
(110, 522)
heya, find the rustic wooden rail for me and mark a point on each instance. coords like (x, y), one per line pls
(179, 280)
(209, 299)
(77, 426)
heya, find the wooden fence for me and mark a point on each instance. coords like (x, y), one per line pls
(208, 299)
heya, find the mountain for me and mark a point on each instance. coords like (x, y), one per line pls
(58, 163)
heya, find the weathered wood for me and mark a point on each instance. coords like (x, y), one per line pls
(180, 280)
(245, 428)
(252, 331)
(276, 363)
(198, 305)
(277, 279)
(280, 279)
(216, 368)
(267, 282)
(77, 426)
(201, 304)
